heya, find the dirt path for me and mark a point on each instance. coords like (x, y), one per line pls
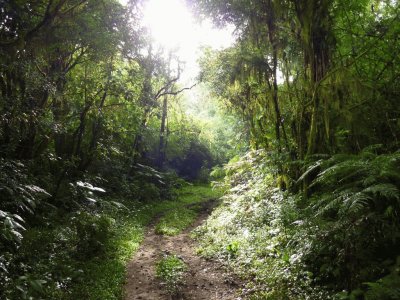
(206, 280)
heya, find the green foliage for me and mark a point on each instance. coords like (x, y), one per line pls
(92, 233)
(308, 83)
(344, 236)
(251, 232)
(83, 254)
(353, 208)
(174, 221)
(181, 212)
(149, 192)
(387, 287)
(103, 276)
(196, 193)
(217, 173)
(171, 271)
(80, 90)
(17, 194)
(19, 200)
(337, 85)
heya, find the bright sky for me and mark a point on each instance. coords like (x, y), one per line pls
(173, 26)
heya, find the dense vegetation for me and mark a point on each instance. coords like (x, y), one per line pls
(312, 212)
(93, 134)
(96, 136)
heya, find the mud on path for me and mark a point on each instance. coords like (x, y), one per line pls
(205, 280)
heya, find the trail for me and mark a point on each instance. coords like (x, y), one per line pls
(205, 280)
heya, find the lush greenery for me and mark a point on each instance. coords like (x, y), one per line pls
(83, 254)
(171, 270)
(311, 212)
(92, 135)
(97, 138)
(189, 203)
(173, 222)
(342, 237)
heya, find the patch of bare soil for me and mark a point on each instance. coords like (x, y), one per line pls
(206, 280)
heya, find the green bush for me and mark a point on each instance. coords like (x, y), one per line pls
(342, 235)
(217, 173)
(203, 175)
(19, 200)
(387, 287)
(93, 231)
(148, 192)
(352, 227)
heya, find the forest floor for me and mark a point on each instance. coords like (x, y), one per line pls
(205, 279)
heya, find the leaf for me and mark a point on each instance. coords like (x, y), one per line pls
(87, 185)
(17, 236)
(119, 205)
(3, 267)
(8, 222)
(386, 190)
(97, 189)
(19, 218)
(310, 169)
(91, 200)
(36, 189)
(37, 285)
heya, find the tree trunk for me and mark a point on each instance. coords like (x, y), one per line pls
(161, 147)
(315, 22)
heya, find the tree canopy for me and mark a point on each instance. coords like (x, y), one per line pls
(299, 115)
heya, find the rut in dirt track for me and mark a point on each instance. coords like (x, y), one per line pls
(205, 280)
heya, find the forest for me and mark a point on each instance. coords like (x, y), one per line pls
(286, 146)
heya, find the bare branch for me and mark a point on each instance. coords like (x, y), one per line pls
(178, 91)
(162, 90)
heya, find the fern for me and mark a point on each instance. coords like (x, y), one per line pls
(387, 287)
(353, 215)
(355, 204)
(19, 199)
(386, 190)
(360, 180)
(312, 168)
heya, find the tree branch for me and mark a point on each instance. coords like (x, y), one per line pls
(178, 91)
(161, 92)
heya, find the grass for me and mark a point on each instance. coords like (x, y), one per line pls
(104, 276)
(185, 209)
(174, 221)
(171, 270)
(197, 193)
(89, 262)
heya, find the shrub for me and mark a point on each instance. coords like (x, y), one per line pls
(93, 231)
(19, 199)
(217, 173)
(354, 208)
(343, 234)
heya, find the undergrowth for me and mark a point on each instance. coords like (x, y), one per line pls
(340, 241)
(83, 255)
(171, 270)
